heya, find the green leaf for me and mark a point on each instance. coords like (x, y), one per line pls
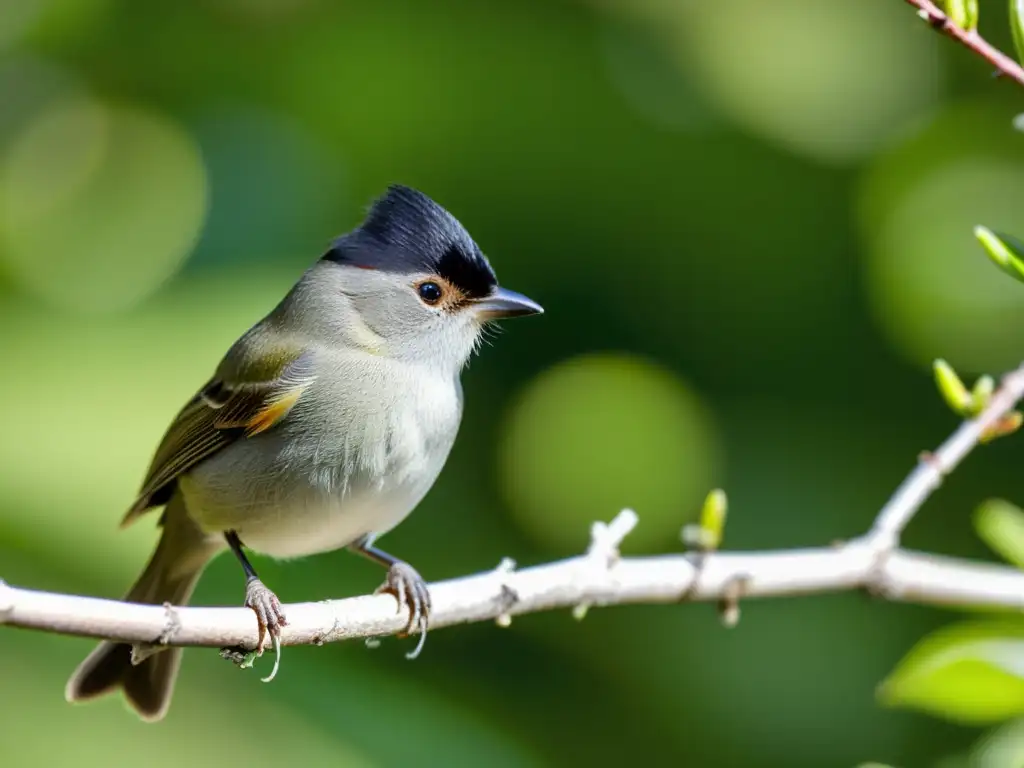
(712, 516)
(964, 13)
(1017, 26)
(706, 536)
(952, 388)
(972, 672)
(1001, 747)
(1005, 250)
(981, 393)
(1000, 524)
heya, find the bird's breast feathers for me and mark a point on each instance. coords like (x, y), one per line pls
(371, 447)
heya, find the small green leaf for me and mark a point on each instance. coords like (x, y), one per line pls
(1005, 250)
(1017, 26)
(964, 13)
(707, 535)
(712, 516)
(981, 393)
(1001, 747)
(972, 672)
(1000, 524)
(952, 388)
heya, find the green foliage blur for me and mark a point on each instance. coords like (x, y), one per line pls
(751, 227)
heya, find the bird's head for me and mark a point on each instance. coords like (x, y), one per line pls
(414, 284)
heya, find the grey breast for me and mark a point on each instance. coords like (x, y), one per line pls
(366, 443)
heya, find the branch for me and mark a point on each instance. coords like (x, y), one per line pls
(600, 577)
(924, 480)
(1003, 64)
(904, 576)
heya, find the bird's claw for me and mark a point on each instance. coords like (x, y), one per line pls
(269, 616)
(410, 590)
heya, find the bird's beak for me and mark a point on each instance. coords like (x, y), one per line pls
(505, 303)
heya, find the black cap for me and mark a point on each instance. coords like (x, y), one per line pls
(405, 231)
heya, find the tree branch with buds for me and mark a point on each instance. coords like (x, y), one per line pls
(601, 577)
(959, 20)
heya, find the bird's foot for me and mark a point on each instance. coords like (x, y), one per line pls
(410, 590)
(269, 616)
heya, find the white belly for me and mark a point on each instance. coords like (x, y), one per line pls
(322, 524)
(296, 513)
(311, 485)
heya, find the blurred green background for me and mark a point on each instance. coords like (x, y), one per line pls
(750, 226)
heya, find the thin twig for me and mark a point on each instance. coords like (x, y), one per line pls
(1002, 63)
(932, 467)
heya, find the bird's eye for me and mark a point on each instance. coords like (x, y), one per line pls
(430, 292)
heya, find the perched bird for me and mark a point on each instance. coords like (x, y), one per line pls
(323, 427)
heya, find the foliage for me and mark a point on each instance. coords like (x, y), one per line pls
(973, 672)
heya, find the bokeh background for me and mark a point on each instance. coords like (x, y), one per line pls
(750, 225)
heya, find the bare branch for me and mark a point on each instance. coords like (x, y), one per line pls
(1003, 64)
(903, 576)
(599, 577)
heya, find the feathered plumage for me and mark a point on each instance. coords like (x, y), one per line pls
(406, 231)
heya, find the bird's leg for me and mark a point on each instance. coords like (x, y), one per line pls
(264, 603)
(405, 583)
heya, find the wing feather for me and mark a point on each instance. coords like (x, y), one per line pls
(218, 415)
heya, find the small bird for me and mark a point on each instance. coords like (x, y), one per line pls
(323, 427)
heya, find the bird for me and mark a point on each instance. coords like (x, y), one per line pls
(322, 428)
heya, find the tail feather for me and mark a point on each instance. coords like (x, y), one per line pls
(169, 577)
(148, 686)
